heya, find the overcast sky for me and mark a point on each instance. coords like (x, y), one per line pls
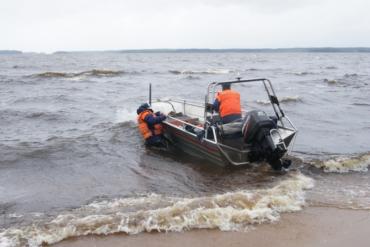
(51, 25)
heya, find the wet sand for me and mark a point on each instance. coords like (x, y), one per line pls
(314, 226)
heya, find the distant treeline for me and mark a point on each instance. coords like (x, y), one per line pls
(323, 49)
(261, 50)
(276, 50)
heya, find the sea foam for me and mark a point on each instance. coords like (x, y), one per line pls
(232, 211)
(284, 99)
(344, 164)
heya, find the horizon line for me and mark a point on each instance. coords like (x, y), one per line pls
(179, 50)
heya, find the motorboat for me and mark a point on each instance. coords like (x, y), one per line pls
(197, 130)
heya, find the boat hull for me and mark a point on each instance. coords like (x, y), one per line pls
(192, 145)
(195, 129)
(205, 149)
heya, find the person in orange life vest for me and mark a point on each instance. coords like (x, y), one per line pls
(227, 103)
(150, 125)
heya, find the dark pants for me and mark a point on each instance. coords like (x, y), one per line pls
(230, 118)
(156, 141)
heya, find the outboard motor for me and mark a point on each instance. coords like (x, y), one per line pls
(258, 130)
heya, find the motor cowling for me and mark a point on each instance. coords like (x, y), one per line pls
(257, 130)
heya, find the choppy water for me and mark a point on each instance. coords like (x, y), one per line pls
(72, 162)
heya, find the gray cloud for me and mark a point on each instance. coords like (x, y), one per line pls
(42, 25)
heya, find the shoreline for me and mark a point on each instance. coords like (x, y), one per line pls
(313, 226)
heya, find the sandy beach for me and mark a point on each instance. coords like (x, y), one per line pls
(314, 226)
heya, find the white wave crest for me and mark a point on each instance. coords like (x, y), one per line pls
(302, 73)
(284, 99)
(93, 72)
(330, 81)
(233, 211)
(125, 115)
(200, 72)
(344, 164)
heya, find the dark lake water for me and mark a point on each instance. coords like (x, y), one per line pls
(71, 157)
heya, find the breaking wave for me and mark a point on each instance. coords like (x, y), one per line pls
(92, 73)
(191, 77)
(344, 164)
(233, 211)
(10, 115)
(361, 104)
(330, 81)
(350, 75)
(303, 73)
(285, 99)
(200, 72)
(125, 115)
(50, 116)
(348, 80)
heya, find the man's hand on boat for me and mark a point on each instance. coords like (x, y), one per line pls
(209, 107)
(161, 115)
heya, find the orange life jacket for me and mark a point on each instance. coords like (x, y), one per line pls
(144, 128)
(229, 102)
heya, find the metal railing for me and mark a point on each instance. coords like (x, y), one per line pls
(210, 96)
(211, 92)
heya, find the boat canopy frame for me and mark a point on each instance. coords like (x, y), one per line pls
(211, 92)
(209, 98)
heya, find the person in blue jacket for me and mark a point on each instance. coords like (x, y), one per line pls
(150, 126)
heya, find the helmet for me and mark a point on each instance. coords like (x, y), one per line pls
(142, 107)
(226, 86)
